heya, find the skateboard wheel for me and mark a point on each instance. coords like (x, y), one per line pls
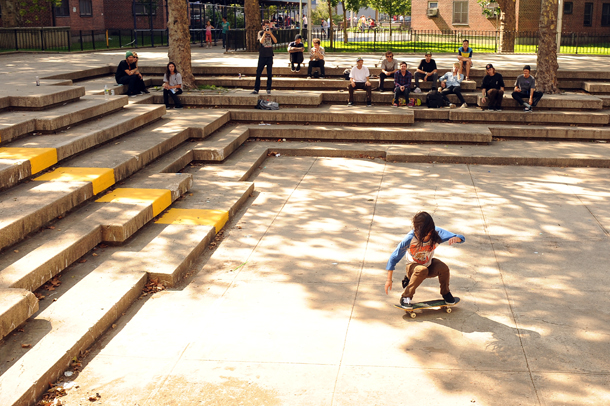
(413, 315)
(448, 310)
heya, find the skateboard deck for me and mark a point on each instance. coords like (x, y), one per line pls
(429, 304)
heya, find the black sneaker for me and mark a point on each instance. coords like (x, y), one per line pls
(369, 105)
(178, 107)
(448, 298)
(350, 103)
(381, 90)
(254, 92)
(406, 302)
(405, 282)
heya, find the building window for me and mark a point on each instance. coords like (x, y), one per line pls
(86, 9)
(568, 6)
(588, 21)
(433, 4)
(606, 15)
(460, 12)
(145, 8)
(63, 10)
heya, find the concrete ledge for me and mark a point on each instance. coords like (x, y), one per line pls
(600, 117)
(534, 131)
(554, 101)
(329, 114)
(16, 306)
(84, 73)
(423, 132)
(32, 97)
(245, 98)
(239, 166)
(596, 87)
(221, 145)
(386, 97)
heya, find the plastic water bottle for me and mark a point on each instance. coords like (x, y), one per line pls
(37, 81)
(106, 92)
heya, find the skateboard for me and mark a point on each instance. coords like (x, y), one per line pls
(429, 304)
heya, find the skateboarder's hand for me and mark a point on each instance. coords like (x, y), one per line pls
(454, 240)
(388, 286)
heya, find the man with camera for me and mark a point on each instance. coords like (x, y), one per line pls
(265, 56)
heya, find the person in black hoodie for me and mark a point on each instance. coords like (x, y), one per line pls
(492, 89)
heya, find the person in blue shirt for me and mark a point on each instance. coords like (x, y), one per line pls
(451, 83)
(465, 58)
(419, 246)
(402, 84)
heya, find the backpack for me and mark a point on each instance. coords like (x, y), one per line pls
(346, 74)
(434, 100)
(267, 105)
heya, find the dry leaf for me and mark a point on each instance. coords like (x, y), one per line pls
(26, 345)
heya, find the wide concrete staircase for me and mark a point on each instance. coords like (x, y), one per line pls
(106, 199)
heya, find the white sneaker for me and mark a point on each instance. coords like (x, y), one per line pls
(452, 106)
(406, 302)
(526, 105)
(417, 90)
(464, 106)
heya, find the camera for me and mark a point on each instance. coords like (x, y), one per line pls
(267, 29)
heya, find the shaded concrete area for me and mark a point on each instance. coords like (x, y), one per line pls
(290, 308)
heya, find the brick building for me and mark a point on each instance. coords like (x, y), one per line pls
(579, 16)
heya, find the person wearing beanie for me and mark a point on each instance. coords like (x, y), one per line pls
(295, 50)
(127, 73)
(525, 87)
(492, 89)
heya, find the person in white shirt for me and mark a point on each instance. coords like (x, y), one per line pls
(359, 79)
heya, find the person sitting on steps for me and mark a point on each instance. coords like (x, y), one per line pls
(419, 246)
(359, 79)
(402, 84)
(388, 67)
(465, 58)
(427, 71)
(295, 50)
(127, 73)
(316, 58)
(525, 86)
(493, 89)
(172, 86)
(451, 83)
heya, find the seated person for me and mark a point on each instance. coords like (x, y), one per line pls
(359, 79)
(426, 71)
(465, 58)
(316, 58)
(493, 89)
(295, 49)
(402, 84)
(172, 86)
(127, 74)
(451, 83)
(388, 67)
(525, 86)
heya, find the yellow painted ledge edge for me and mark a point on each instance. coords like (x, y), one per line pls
(198, 217)
(40, 158)
(161, 199)
(100, 178)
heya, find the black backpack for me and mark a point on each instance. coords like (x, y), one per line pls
(346, 74)
(434, 100)
(267, 105)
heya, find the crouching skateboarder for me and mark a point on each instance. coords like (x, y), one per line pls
(419, 246)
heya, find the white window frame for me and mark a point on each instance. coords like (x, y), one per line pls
(433, 4)
(462, 3)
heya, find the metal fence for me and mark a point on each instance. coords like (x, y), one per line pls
(375, 40)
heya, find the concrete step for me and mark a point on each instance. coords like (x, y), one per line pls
(31, 97)
(306, 84)
(16, 306)
(419, 132)
(27, 207)
(598, 117)
(358, 114)
(16, 124)
(82, 74)
(113, 218)
(554, 101)
(550, 132)
(597, 87)
(237, 167)
(221, 144)
(31, 155)
(387, 97)
(96, 85)
(245, 98)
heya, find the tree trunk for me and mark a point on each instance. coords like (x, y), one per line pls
(508, 25)
(180, 41)
(546, 69)
(253, 24)
(330, 24)
(10, 17)
(344, 23)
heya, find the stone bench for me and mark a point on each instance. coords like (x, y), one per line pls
(553, 101)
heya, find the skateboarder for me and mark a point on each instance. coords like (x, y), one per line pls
(419, 245)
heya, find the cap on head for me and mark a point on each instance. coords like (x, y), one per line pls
(128, 54)
(489, 66)
(527, 67)
(298, 37)
(359, 59)
(428, 53)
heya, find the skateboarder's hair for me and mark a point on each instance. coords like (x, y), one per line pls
(423, 224)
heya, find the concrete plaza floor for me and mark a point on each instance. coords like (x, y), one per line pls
(290, 308)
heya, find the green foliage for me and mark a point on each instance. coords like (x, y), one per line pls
(321, 12)
(489, 12)
(355, 5)
(29, 10)
(391, 7)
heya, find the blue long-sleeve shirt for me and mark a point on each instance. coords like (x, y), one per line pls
(404, 245)
(452, 80)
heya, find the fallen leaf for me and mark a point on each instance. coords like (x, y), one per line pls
(26, 345)
(82, 261)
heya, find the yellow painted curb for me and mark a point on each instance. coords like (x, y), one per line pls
(160, 198)
(100, 178)
(40, 158)
(198, 217)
